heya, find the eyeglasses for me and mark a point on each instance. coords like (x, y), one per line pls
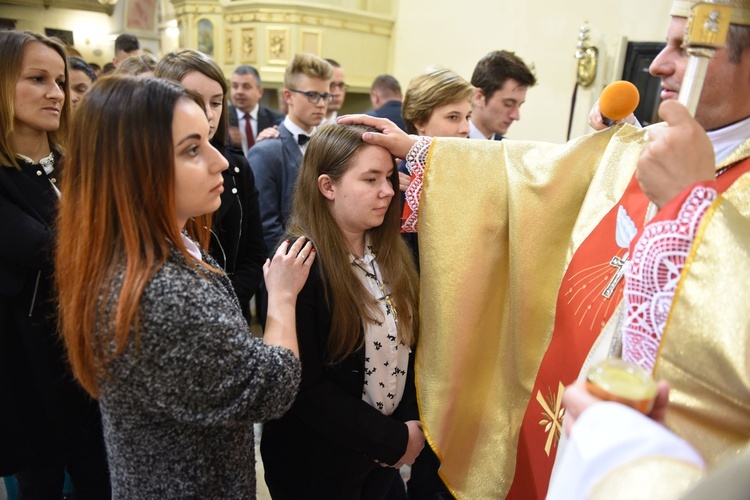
(342, 86)
(315, 97)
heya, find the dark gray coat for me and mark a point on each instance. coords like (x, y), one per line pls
(178, 408)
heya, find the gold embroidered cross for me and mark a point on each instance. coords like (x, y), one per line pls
(552, 419)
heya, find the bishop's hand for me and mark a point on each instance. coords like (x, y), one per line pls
(676, 157)
(390, 137)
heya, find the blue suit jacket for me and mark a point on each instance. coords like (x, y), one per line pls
(275, 163)
(392, 111)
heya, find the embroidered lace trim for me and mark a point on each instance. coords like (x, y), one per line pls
(415, 162)
(653, 274)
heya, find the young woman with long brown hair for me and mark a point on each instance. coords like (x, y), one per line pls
(355, 420)
(153, 328)
(237, 233)
(48, 424)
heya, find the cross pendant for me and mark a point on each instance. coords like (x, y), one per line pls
(620, 265)
(387, 298)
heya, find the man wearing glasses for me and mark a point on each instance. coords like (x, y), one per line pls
(338, 90)
(275, 162)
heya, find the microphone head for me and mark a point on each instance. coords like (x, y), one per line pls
(618, 100)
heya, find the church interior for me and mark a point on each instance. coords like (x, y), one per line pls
(575, 48)
(373, 37)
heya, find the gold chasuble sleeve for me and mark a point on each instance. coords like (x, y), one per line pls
(705, 357)
(498, 224)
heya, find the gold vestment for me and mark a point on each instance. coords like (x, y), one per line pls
(498, 225)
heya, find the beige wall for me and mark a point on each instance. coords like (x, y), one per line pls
(542, 32)
(94, 33)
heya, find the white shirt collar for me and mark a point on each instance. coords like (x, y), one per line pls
(47, 163)
(296, 131)
(253, 113)
(191, 247)
(474, 132)
(726, 140)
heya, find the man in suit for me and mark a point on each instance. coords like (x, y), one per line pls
(501, 79)
(338, 91)
(275, 162)
(385, 96)
(247, 118)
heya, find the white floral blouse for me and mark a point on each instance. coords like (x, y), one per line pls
(386, 356)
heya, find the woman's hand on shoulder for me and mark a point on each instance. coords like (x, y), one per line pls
(288, 270)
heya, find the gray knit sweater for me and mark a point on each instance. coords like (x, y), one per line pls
(178, 408)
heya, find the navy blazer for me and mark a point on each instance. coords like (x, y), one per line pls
(392, 111)
(275, 163)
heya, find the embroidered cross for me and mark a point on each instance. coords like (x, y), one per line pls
(552, 416)
(620, 265)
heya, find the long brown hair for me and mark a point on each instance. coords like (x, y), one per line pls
(331, 151)
(12, 47)
(176, 66)
(117, 220)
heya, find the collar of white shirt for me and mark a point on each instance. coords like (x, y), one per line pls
(253, 113)
(296, 131)
(191, 247)
(474, 132)
(726, 140)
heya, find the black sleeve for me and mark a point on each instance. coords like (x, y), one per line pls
(341, 417)
(251, 255)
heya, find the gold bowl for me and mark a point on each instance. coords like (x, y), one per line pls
(623, 382)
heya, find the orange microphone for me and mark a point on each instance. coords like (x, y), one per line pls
(618, 100)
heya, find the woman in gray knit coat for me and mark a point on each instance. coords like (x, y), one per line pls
(152, 326)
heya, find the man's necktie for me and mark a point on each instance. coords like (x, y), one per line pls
(249, 131)
(302, 139)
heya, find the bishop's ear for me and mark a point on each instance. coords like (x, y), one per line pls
(325, 185)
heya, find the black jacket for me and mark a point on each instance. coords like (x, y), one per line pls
(45, 413)
(327, 444)
(237, 234)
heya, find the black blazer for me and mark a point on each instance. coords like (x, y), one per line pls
(45, 413)
(237, 234)
(327, 444)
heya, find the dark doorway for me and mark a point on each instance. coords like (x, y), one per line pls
(638, 58)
